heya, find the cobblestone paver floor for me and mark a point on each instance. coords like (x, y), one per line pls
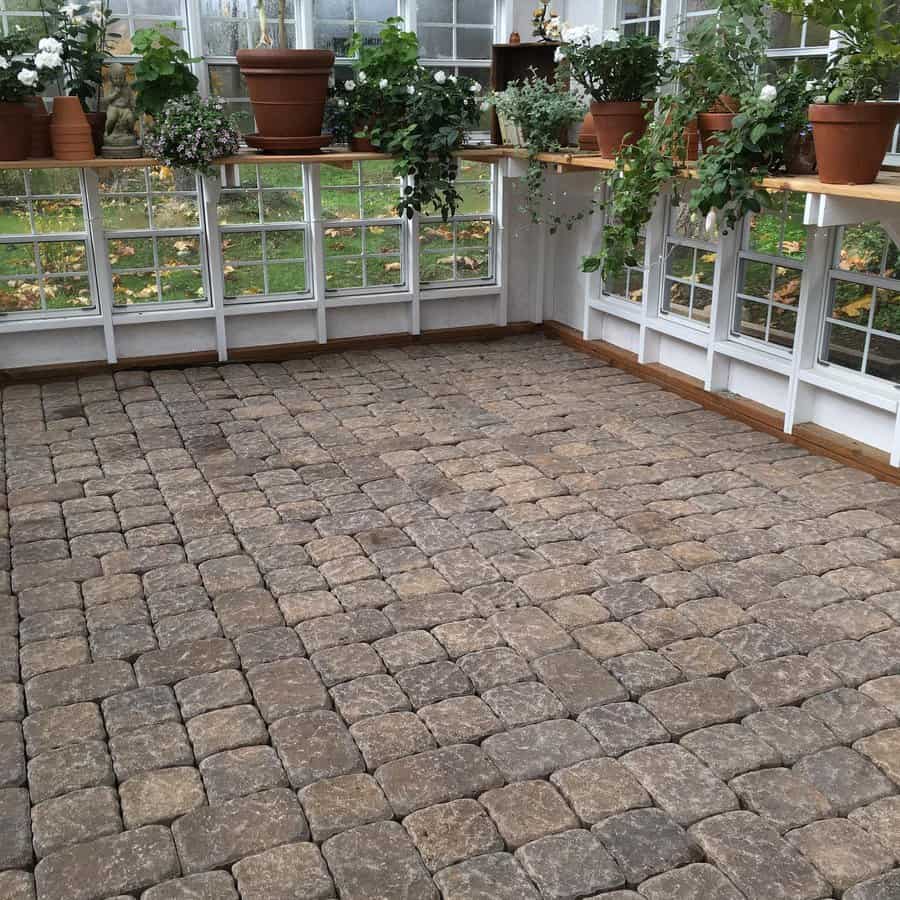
(470, 621)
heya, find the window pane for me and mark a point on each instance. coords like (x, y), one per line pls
(242, 247)
(131, 253)
(844, 346)
(70, 292)
(135, 288)
(436, 43)
(785, 30)
(884, 358)
(752, 319)
(787, 285)
(702, 305)
(179, 251)
(340, 204)
(244, 281)
(285, 245)
(473, 235)
(472, 265)
(383, 272)
(181, 284)
(58, 216)
(287, 278)
(681, 262)
(756, 279)
(852, 302)
(14, 217)
(474, 43)
(475, 12)
(238, 208)
(437, 10)
(59, 256)
(383, 239)
(17, 259)
(862, 249)
(783, 328)
(887, 311)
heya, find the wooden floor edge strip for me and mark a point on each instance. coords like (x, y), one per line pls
(814, 438)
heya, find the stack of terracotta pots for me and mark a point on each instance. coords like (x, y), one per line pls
(41, 148)
(70, 130)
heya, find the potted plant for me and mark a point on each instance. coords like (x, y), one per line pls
(192, 133)
(163, 72)
(852, 126)
(537, 113)
(381, 74)
(20, 77)
(288, 90)
(726, 50)
(620, 74)
(78, 33)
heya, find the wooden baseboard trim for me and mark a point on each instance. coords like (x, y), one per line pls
(266, 353)
(763, 418)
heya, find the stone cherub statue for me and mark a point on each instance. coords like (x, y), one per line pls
(120, 141)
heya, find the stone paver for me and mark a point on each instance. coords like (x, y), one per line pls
(469, 621)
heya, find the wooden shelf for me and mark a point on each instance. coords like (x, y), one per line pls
(326, 157)
(886, 189)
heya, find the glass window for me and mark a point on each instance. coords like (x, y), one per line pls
(232, 25)
(691, 255)
(770, 271)
(335, 22)
(264, 234)
(44, 246)
(152, 222)
(461, 250)
(628, 284)
(641, 17)
(456, 29)
(132, 15)
(862, 320)
(363, 234)
(24, 14)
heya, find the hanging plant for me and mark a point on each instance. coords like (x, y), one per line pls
(542, 111)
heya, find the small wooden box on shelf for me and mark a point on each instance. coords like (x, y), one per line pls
(514, 62)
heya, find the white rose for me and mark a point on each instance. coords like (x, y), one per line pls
(383, 83)
(768, 93)
(410, 89)
(70, 11)
(612, 36)
(475, 88)
(4, 62)
(341, 103)
(28, 77)
(361, 77)
(453, 78)
(350, 85)
(46, 60)
(559, 56)
(50, 45)
(440, 76)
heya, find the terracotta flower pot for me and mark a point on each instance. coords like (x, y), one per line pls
(41, 148)
(288, 90)
(587, 137)
(70, 131)
(363, 144)
(15, 131)
(618, 124)
(851, 139)
(97, 121)
(800, 154)
(710, 123)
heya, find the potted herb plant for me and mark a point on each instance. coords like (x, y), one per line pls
(620, 74)
(537, 113)
(20, 77)
(163, 72)
(852, 128)
(377, 89)
(288, 89)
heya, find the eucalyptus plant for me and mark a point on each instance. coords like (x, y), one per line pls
(543, 111)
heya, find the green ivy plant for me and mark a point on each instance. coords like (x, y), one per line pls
(543, 111)
(727, 49)
(758, 144)
(163, 71)
(419, 116)
(867, 53)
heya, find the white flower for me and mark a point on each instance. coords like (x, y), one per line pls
(485, 105)
(581, 34)
(28, 77)
(341, 103)
(4, 62)
(710, 222)
(350, 85)
(475, 88)
(559, 56)
(612, 36)
(45, 60)
(361, 77)
(768, 93)
(70, 11)
(410, 89)
(440, 76)
(383, 83)
(453, 78)
(50, 45)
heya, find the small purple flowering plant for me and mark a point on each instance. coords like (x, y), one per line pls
(192, 133)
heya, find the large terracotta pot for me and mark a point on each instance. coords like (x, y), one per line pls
(70, 131)
(851, 139)
(288, 90)
(618, 124)
(97, 121)
(41, 147)
(15, 131)
(711, 123)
